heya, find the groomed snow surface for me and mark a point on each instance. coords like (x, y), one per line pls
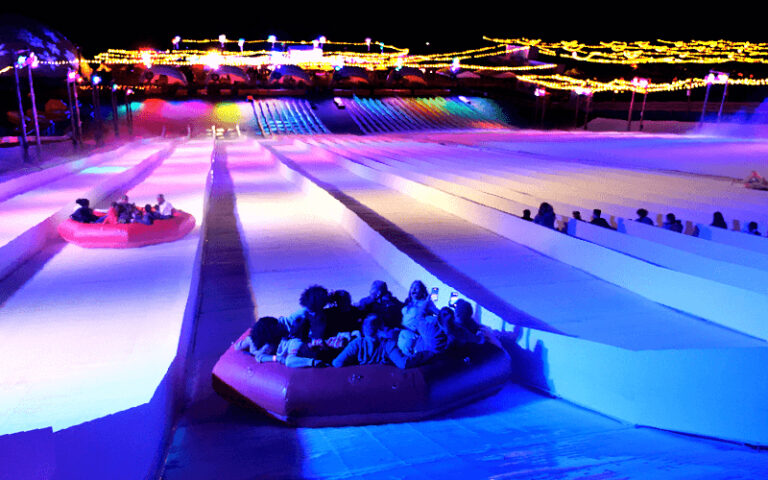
(87, 333)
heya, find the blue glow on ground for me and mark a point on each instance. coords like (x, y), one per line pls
(104, 169)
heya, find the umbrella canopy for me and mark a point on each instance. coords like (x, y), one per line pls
(355, 75)
(154, 75)
(407, 75)
(18, 33)
(227, 74)
(289, 74)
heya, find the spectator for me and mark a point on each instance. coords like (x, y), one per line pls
(672, 223)
(718, 221)
(577, 215)
(642, 217)
(598, 220)
(527, 215)
(545, 216)
(752, 228)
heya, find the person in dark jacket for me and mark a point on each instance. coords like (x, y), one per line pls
(527, 215)
(370, 349)
(545, 216)
(309, 321)
(341, 315)
(383, 304)
(752, 228)
(718, 221)
(642, 217)
(598, 220)
(673, 223)
(143, 217)
(270, 341)
(84, 214)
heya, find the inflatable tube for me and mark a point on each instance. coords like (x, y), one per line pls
(361, 394)
(127, 235)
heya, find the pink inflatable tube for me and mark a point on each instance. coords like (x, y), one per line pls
(129, 235)
(363, 394)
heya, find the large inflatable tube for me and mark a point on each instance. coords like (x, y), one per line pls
(361, 394)
(129, 235)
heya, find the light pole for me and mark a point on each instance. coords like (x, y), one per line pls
(586, 92)
(30, 61)
(541, 93)
(70, 80)
(722, 78)
(95, 83)
(114, 109)
(637, 83)
(129, 111)
(75, 79)
(714, 77)
(24, 145)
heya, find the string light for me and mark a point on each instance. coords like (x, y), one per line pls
(644, 52)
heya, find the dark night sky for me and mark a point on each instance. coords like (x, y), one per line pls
(97, 26)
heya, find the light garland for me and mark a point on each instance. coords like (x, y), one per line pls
(563, 82)
(643, 52)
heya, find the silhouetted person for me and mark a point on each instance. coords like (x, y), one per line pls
(577, 215)
(545, 216)
(527, 215)
(598, 220)
(144, 217)
(341, 315)
(164, 207)
(84, 214)
(370, 349)
(642, 217)
(381, 302)
(752, 228)
(672, 224)
(718, 221)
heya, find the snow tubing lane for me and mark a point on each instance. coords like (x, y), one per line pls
(126, 235)
(361, 394)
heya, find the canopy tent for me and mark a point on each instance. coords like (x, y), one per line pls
(20, 35)
(495, 74)
(406, 75)
(289, 74)
(459, 73)
(353, 75)
(227, 74)
(154, 76)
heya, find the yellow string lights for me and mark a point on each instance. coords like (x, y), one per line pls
(661, 51)
(325, 55)
(564, 82)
